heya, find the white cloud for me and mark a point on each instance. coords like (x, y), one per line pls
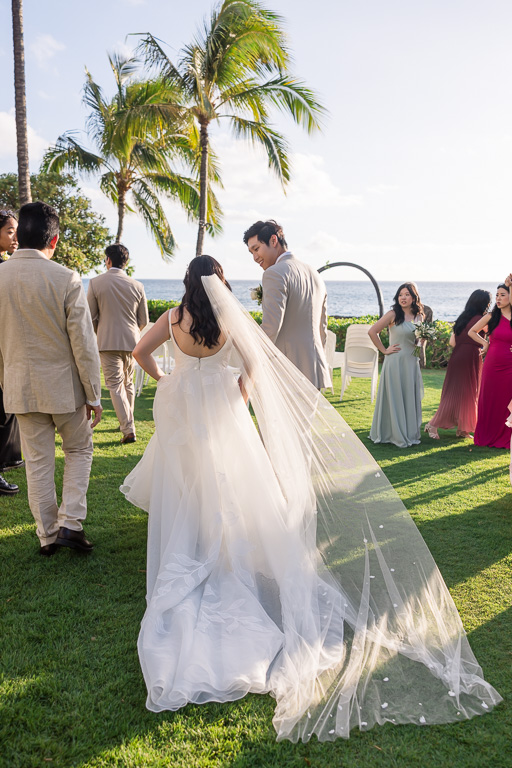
(251, 190)
(36, 144)
(44, 48)
(380, 189)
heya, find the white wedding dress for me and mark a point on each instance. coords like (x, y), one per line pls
(281, 560)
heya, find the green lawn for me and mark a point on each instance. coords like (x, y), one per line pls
(71, 690)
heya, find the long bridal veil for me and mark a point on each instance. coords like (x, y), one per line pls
(371, 633)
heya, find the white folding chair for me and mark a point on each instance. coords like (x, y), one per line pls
(139, 373)
(330, 351)
(360, 358)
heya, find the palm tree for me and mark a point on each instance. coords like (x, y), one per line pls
(20, 101)
(237, 68)
(137, 134)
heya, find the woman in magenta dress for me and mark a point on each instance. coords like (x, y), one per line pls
(496, 386)
(459, 397)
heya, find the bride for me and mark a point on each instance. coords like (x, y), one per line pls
(280, 559)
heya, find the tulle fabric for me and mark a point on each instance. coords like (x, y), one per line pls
(282, 560)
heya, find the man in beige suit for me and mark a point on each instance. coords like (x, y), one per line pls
(50, 376)
(119, 312)
(294, 302)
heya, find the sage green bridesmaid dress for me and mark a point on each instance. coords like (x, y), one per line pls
(397, 416)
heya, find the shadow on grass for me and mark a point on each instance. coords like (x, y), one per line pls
(469, 542)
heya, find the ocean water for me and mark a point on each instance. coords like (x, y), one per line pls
(346, 298)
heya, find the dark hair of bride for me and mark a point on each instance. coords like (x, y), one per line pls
(417, 306)
(477, 304)
(204, 329)
(496, 312)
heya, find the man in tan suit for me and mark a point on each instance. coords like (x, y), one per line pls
(294, 302)
(119, 312)
(50, 376)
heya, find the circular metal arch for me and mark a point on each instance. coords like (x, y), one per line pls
(368, 274)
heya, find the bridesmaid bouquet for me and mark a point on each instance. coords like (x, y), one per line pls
(422, 331)
(257, 294)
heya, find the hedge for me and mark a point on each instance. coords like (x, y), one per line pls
(157, 307)
(438, 352)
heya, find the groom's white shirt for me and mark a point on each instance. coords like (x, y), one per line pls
(295, 315)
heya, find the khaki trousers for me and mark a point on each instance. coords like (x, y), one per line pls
(37, 431)
(118, 369)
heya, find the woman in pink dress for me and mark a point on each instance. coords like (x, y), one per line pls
(491, 428)
(460, 389)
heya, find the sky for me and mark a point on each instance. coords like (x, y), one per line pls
(410, 176)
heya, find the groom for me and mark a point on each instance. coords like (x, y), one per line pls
(50, 375)
(294, 302)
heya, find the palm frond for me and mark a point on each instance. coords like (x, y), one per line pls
(244, 35)
(98, 107)
(150, 48)
(292, 96)
(123, 68)
(274, 143)
(150, 208)
(68, 154)
(108, 185)
(214, 214)
(246, 96)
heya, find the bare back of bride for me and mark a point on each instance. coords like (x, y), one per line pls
(280, 559)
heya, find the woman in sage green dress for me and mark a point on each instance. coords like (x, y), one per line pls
(397, 416)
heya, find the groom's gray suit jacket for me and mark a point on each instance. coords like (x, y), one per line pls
(295, 316)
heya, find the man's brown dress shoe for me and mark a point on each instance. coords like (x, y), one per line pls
(73, 539)
(47, 550)
(128, 439)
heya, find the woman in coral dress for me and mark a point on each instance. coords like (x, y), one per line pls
(496, 386)
(459, 398)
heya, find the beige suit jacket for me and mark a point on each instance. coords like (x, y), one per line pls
(295, 316)
(119, 310)
(49, 360)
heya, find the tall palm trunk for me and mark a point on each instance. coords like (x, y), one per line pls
(121, 210)
(203, 188)
(20, 103)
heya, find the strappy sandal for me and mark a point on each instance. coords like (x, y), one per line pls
(463, 434)
(432, 431)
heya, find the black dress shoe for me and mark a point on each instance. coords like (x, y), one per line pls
(48, 549)
(128, 439)
(73, 539)
(7, 489)
(12, 465)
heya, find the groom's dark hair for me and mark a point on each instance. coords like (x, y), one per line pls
(38, 224)
(264, 231)
(118, 254)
